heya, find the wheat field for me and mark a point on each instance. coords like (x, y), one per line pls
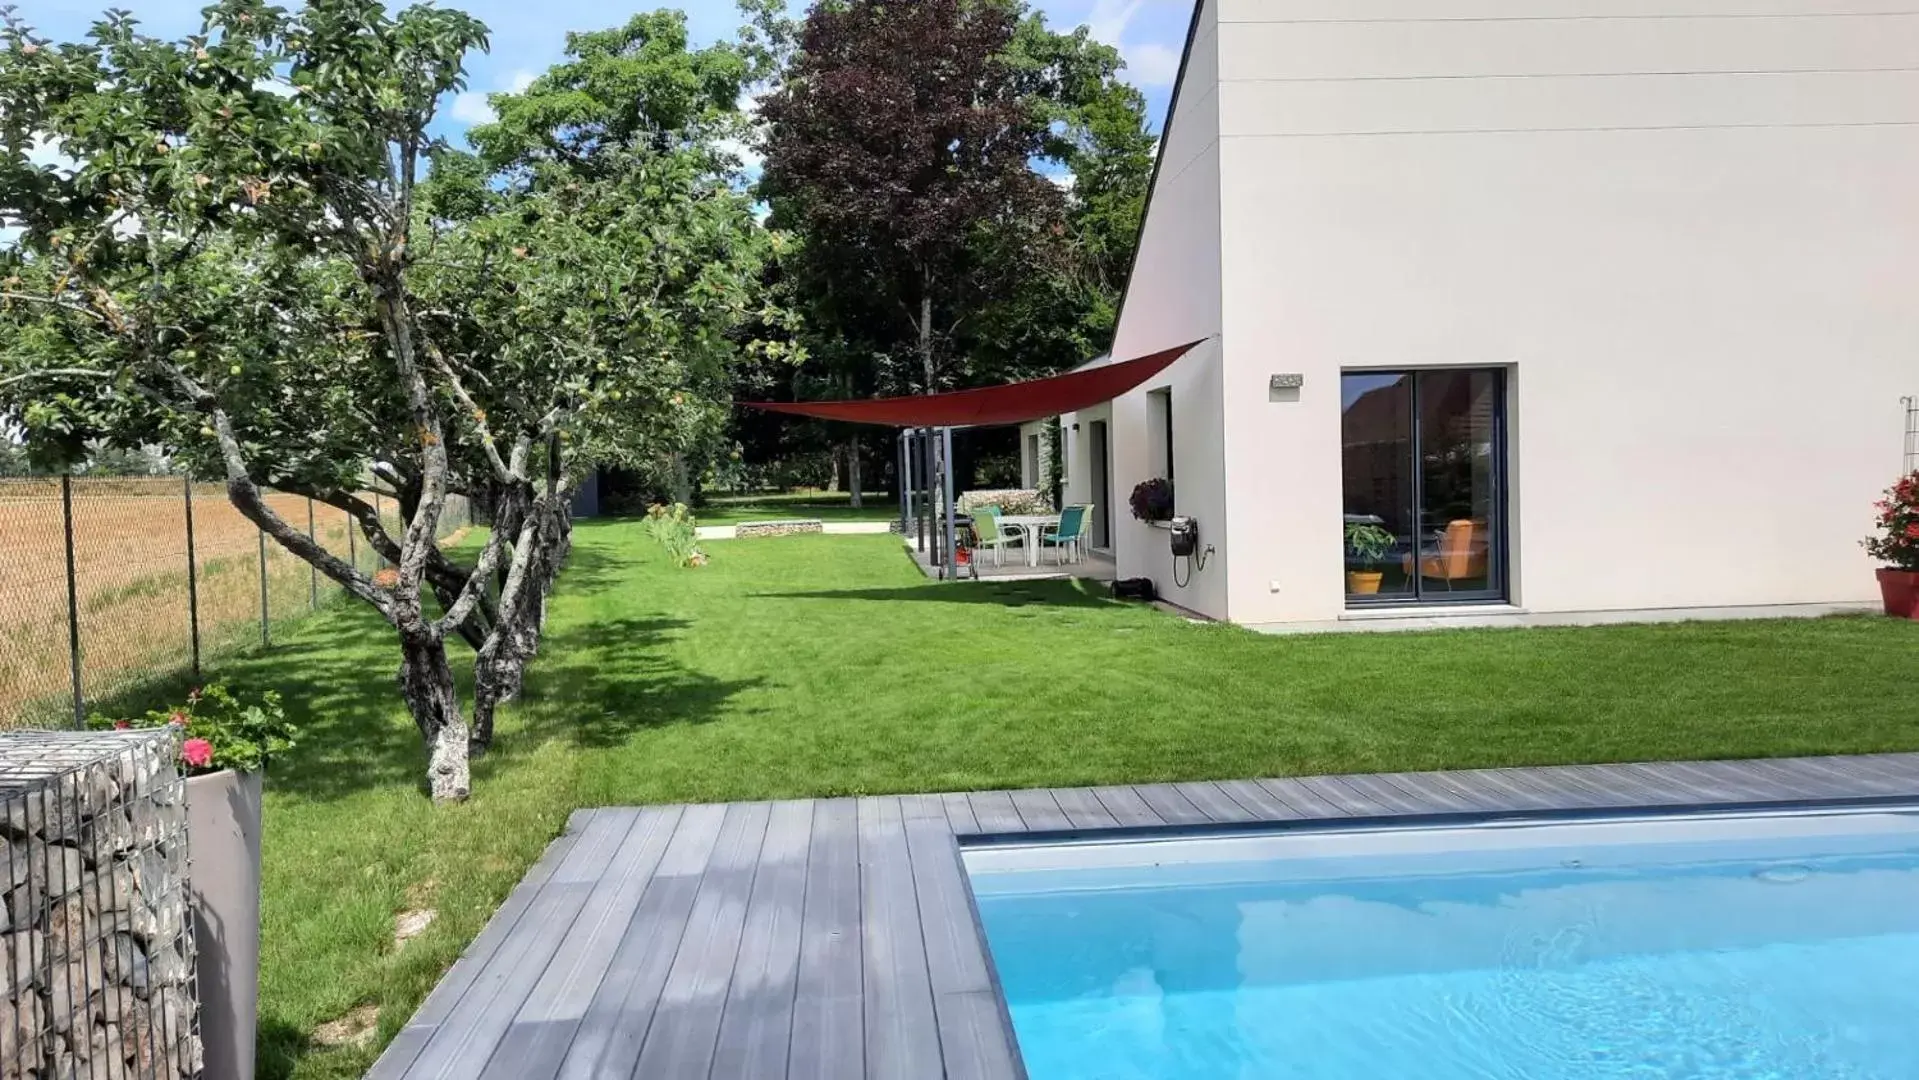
(130, 574)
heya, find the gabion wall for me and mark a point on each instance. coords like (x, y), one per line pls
(96, 944)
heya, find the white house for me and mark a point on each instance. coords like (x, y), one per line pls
(1587, 305)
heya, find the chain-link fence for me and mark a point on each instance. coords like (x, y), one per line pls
(108, 583)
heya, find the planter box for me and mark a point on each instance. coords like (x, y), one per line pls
(223, 815)
(1900, 591)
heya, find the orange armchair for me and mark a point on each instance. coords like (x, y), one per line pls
(1461, 554)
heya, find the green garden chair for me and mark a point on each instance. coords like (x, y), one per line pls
(1069, 539)
(993, 535)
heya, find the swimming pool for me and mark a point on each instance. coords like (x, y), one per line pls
(1768, 946)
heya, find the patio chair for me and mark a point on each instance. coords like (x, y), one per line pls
(1459, 555)
(1070, 537)
(992, 535)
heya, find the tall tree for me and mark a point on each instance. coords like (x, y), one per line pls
(899, 144)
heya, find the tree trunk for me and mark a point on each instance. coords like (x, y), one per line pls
(426, 681)
(853, 470)
(833, 478)
(682, 481)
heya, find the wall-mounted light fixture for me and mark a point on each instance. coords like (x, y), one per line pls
(1290, 380)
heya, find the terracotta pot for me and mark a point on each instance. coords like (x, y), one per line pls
(223, 846)
(1365, 582)
(1900, 591)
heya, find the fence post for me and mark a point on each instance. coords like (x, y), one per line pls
(266, 639)
(313, 572)
(193, 579)
(73, 604)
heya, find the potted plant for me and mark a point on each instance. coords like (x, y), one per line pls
(1152, 500)
(1369, 544)
(225, 745)
(1896, 543)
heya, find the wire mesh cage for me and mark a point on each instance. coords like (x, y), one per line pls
(1912, 431)
(98, 942)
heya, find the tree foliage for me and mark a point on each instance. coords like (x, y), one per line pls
(245, 261)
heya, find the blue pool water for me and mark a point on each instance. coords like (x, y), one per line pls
(1780, 947)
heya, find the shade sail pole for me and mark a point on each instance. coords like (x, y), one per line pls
(899, 482)
(946, 453)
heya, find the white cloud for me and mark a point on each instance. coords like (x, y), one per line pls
(1152, 64)
(472, 107)
(1109, 19)
(750, 158)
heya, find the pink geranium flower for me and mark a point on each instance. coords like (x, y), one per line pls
(177, 718)
(197, 753)
(122, 725)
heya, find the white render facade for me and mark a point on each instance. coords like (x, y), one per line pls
(1592, 305)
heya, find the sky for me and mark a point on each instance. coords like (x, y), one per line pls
(528, 36)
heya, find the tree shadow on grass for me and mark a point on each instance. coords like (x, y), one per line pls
(596, 685)
(1050, 593)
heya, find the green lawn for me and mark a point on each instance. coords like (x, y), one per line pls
(826, 665)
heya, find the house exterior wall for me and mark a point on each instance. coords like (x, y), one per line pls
(1174, 298)
(1686, 228)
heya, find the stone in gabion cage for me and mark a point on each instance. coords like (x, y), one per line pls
(96, 943)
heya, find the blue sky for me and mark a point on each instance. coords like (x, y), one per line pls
(528, 36)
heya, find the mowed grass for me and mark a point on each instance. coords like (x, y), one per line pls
(826, 665)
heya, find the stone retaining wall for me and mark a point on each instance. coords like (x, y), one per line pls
(750, 529)
(97, 950)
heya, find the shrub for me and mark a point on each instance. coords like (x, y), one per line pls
(219, 731)
(1152, 500)
(674, 529)
(1009, 501)
(1897, 542)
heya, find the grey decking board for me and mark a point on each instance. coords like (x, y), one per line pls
(959, 814)
(902, 1033)
(975, 1038)
(1214, 803)
(843, 944)
(445, 996)
(685, 1026)
(828, 1037)
(923, 808)
(1039, 811)
(1173, 807)
(611, 1033)
(462, 1045)
(757, 1026)
(1395, 798)
(1302, 798)
(995, 812)
(1436, 794)
(1350, 801)
(1126, 807)
(1262, 804)
(1083, 809)
(545, 1025)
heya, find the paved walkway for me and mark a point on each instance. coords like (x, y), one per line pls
(836, 939)
(828, 528)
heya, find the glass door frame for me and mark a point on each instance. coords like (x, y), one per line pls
(1499, 587)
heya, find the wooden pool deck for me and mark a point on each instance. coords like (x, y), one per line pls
(834, 939)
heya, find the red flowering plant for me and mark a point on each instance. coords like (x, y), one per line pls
(1896, 543)
(218, 731)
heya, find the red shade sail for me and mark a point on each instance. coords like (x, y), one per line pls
(1013, 403)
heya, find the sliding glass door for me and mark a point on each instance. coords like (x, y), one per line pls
(1423, 454)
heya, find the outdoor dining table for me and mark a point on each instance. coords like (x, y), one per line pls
(1031, 525)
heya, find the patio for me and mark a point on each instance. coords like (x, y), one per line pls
(1096, 566)
(837, 938)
